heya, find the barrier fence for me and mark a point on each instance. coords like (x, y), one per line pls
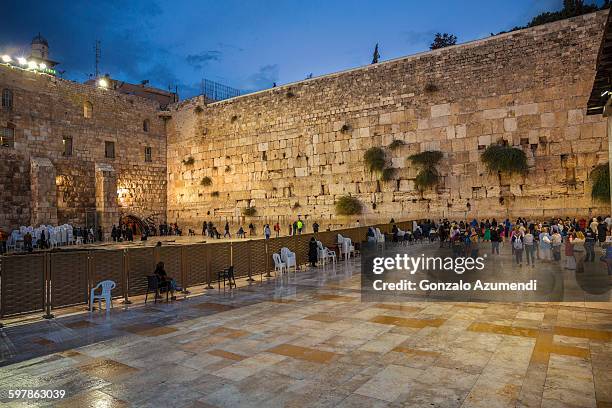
(51, 280)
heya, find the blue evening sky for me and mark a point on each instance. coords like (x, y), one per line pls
(244, 44)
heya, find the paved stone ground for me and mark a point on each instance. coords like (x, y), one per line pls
(307, 340)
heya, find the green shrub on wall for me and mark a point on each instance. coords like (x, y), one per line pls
(505, 159)
(375, 159)
(600, 177)
(427, 161)
(206, 181)
(388, 174)
(396, 144)
(249, 211)
(188, 161)
(426, 178)
(426, 158)
(347, 205)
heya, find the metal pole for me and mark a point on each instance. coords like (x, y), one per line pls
(47, 278)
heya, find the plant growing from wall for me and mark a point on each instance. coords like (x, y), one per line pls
(214, 194)
(296, 205)
(375, 159)
(188, 161)
(347, 205)
(502, 158)
(206, 181)
(428, 175)
(430, 87)
(345, 128)
(600, 177)
(234, 118)
(198, 109)
(228, 169)
(388, 174)
(249, 211)
(396, 144)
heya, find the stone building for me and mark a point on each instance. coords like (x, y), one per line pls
(74, 153)
(294, 150)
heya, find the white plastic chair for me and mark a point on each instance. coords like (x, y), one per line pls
(288, 258)
(380, 237)
(107, 286)
(279, 266)
(325, 253)
(346, 247)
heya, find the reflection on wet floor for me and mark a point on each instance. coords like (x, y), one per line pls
(308, 340)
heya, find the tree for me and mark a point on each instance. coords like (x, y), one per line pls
(376, 55)
(443, 40)
(571, 8)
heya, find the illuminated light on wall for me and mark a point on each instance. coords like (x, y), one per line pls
(25, 64)
(102, 83)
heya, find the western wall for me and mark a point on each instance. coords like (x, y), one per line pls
(293, 150)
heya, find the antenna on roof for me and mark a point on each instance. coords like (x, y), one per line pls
(98, 54)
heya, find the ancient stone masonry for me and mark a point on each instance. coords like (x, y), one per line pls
(49, 175)
(295, 149)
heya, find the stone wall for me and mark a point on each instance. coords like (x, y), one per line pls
(45, 110)
(295, 149)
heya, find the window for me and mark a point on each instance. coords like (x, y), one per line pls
(7, 137)
(87, 110)
(148, 154)
(109, 150)
(145, 125)
(7, 99)
(67, 140)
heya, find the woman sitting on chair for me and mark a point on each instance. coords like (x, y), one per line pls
(165, 282)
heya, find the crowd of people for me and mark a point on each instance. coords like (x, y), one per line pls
(209, 229)
(530, 240)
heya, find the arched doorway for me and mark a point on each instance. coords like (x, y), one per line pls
(133, 222)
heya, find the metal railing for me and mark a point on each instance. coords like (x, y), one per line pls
(44, 281)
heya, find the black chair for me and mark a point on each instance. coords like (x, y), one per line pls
(226, 274)
(154, 286)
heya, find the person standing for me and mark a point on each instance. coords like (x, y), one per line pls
(299, 225)
(312, 252)
(27, 242)
(545, 247)
(517, 245)
(315, 227)
(529, 248)
(277, 229)
(602, 229)
(495, 238)
(589, 245)
(267, 231)
(570, 258)
(227, 230)
(251, 229)
(556, 242)
(474, 244)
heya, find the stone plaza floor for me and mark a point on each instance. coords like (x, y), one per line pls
(308, 341)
